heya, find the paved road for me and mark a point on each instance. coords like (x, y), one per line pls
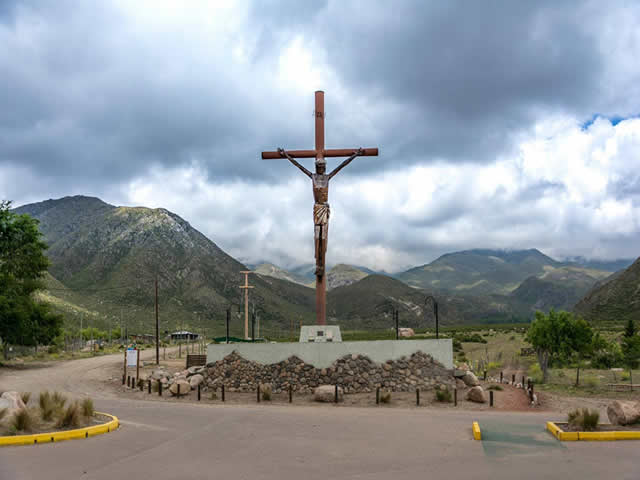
(160, 440)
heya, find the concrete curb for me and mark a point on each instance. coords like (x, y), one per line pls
(477, 434)
(590, 436)
(85, 432)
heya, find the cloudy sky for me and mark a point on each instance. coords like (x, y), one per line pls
(500, 124)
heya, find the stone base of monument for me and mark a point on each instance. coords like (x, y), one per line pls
(320, 334)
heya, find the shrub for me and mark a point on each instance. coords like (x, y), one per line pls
(583, 418)
(512, 337)
(495, 387)
(385, 396)
(492, 366)
(25, 396)
(535, 373)
(47, 406)
(443, 396)
(70, 416)
(87, 407)
(213, 396)
(592, 382)
(624, 376)
(22, 420)
(3, 412)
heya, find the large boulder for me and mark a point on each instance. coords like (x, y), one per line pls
(470, 380)
(11, 401)
(181, 386)
(623, 413)
(195, 380)
(476, 394)
(327, 393)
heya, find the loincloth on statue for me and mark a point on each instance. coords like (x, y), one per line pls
(321, 212)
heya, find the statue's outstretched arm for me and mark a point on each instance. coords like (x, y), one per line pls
(360, 151)
(284, 154)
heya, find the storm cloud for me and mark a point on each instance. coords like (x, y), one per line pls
(493, 120)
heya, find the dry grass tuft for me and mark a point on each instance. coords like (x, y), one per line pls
(584, 418)
(25, 396)
(70, 416)
(23, 420)
(47, 406)
(87, 408)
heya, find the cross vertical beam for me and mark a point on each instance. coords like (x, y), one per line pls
(246, 288)
(321, 280)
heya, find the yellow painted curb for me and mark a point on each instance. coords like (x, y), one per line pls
(590, 436)
(477, 434)
(85, 432)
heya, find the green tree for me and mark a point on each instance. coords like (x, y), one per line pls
(631, 353)
(580, 342)
(22, 267)
(551, 337)
(630, 328)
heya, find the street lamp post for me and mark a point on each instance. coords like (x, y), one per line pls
(435, 311)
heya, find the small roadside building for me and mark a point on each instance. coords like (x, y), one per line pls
(183, 335)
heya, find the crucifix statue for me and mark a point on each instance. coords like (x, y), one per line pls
(320, 181)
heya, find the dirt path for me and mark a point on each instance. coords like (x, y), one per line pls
(86, 376)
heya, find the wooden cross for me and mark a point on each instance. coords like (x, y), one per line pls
(321, 194)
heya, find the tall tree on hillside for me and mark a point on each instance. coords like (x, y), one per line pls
(630, 328)
(22, 266)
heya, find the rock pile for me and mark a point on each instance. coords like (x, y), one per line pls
(354, 373)
(188, 379)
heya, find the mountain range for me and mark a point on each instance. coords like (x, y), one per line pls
(105, 260)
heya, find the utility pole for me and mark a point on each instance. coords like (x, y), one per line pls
(157, 328)
(246, 288)
(228, 318)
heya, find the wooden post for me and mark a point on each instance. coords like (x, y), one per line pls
(157, 327)
(455, 397)
(485, 375)
(336, 394)
(198, 392)
(137, 363)
(159, 388)
(418, 397)
(246, 288)
(377, 395)
(258, 393)
(223, 392)
(500, 377)
(290, 394)
(491, 398)
(513, 378)
(124, 374)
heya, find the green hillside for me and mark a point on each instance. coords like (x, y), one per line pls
(479, 272)
(107, 259)
(614, 301)
(368, 304)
